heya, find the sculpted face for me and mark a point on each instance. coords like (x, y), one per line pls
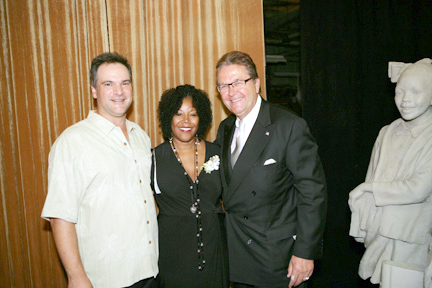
(413, 95)
(239, 101)
(113, 92)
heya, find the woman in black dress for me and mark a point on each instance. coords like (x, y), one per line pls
(187, 186)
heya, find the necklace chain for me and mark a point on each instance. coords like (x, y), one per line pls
(196, 207)
(195, 176)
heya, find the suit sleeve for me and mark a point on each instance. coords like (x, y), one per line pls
(219, 137)
(303, 161)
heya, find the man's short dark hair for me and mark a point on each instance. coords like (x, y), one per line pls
(108, 57)
(171, 101)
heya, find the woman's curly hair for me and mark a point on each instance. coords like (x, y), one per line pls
(171, 101)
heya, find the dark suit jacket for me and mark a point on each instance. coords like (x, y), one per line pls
(266, 205)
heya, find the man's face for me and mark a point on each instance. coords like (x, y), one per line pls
(413, 96)
(113, 91)
(239, 101)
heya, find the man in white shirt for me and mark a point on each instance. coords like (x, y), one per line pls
(99, 201)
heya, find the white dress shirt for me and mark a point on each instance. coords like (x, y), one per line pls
(249, 121)
(101, 182)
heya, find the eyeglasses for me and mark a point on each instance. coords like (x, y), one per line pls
(236, 85)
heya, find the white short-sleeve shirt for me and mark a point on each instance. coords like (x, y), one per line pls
(101, 182)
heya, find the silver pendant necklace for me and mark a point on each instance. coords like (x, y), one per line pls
(195, 208)
(195, 199)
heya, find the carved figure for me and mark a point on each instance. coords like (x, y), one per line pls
(392, 209)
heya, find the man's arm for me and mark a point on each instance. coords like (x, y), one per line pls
(65, 238)
(303, 161)
(309, 181)
(219, 137)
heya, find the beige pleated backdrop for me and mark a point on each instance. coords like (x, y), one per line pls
(46, 47)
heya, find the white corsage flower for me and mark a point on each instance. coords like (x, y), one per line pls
(211, 165)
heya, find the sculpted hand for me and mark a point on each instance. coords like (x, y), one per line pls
(355, 194)
(299, 270)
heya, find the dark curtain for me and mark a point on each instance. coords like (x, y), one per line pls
(347, 97)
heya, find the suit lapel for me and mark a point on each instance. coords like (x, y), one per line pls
(254, 145)
(226, 150)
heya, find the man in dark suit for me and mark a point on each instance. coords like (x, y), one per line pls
(274, 186)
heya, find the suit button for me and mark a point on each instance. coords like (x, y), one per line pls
(227, 211)
(249, 241)
(253, 193)
(245, 217)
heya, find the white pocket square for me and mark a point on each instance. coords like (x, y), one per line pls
(269, 161)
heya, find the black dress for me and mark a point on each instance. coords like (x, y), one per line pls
(179, 235)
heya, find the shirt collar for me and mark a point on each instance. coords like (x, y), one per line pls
(415, 131)
(104, 124)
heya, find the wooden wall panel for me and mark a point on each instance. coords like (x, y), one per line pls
(46, 49)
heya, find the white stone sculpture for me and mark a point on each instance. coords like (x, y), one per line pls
(392, 209)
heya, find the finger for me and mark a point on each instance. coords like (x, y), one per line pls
(298, 280)
(292, 281)
(290, 270)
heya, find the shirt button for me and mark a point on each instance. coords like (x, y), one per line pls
(145, 201)
(125, 143)
(136, 161)
(140, 181)
(253, 193)
(249, 241)
(148, 222)
(149, 242)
